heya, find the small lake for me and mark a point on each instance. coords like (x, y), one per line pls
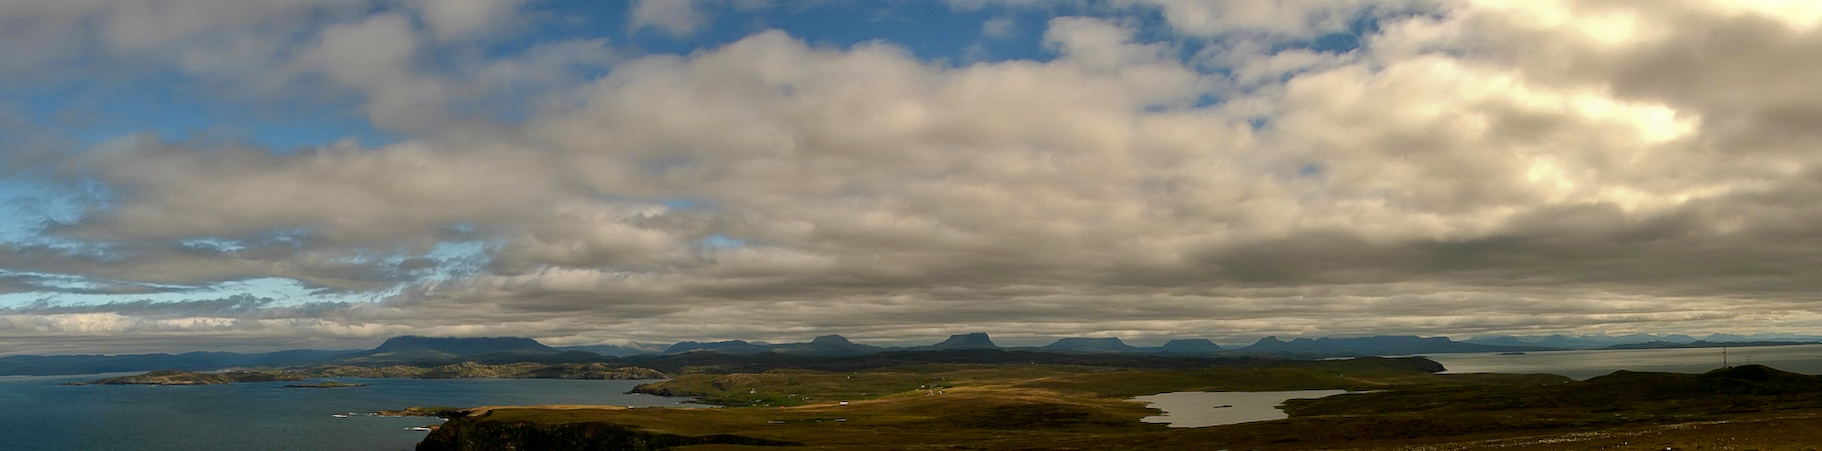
(42, 415)
(1198, 409)
(1806, 359)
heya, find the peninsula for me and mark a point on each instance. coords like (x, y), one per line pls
(179, 377)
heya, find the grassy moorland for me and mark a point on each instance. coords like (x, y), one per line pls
(1030, 407)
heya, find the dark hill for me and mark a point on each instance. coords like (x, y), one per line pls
(724, 347)
(612, 350)
(463, 345)
(1188, 346)
(1735, 389)
(411, 348)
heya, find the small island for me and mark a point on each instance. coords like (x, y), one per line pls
(180, 377)
(326, 384)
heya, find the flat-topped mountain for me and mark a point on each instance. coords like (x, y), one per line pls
(976, 340)
(1080, 344)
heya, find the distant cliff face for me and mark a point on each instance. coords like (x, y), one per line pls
(480, 434)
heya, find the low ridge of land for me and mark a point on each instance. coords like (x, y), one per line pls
(179, 377)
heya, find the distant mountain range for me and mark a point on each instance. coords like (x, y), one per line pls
(39, 365)
(425, 351)
(1382, 345)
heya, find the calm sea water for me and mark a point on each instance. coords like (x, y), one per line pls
(38, 414)
(1192, 409)
(1806, 359)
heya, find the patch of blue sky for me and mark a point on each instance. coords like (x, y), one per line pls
(288, 292)
(179, 108)
(283, 291)
(931, 30)
(28, 206)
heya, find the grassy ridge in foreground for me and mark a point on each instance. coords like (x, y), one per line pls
(1026, 407)
(971, 406)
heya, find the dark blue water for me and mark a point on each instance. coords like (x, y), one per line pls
(38, 414)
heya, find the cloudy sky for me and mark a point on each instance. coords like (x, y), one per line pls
(245, 175)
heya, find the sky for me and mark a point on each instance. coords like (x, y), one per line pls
(270, 174)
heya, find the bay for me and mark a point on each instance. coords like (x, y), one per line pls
(39, 414)
(1581, 365)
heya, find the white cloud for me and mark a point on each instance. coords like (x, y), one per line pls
(682, 17)
(456, 19)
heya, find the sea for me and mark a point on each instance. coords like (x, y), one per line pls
(38, 413)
